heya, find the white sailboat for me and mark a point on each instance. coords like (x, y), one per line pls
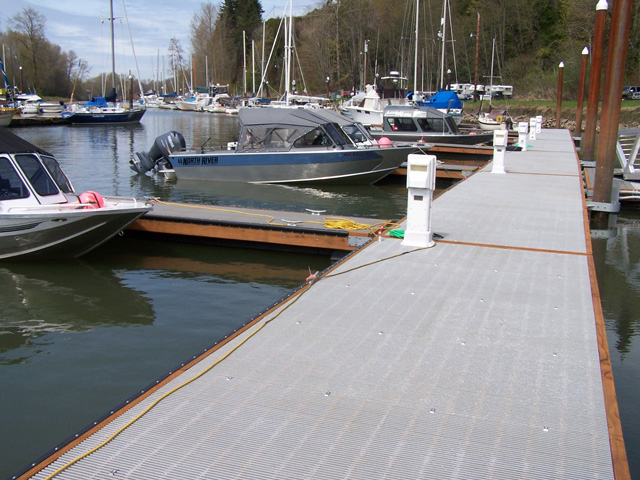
(494, 119)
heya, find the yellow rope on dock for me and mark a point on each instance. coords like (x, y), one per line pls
(332, 223)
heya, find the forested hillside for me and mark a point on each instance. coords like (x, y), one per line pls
(531, 38)
(340, 43)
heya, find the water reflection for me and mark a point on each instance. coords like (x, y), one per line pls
(39, 299)
(618, 271)
(213, 265)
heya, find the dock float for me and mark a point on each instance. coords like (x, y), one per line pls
(484, 356)
(310, 230)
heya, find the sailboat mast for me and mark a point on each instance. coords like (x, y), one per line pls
(415, 58)
(444, 42)
(493, 51)
(475, 86)
(113, 56)
(288, 51)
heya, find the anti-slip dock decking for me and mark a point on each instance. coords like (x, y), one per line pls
(481, 357)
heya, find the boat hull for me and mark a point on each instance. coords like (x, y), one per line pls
(455, 139)
(62, 234)
(6, 116)
(357, 166)
(101, 118)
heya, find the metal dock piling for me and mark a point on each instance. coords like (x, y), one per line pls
(482, 357)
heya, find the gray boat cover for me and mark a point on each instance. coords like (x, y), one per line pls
(11, 143)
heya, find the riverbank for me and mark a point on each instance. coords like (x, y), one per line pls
(523, 110)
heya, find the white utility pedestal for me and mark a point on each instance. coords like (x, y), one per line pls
(532, 128)
(500, 139)
(523, 131)
(539, 124)
(421, 182)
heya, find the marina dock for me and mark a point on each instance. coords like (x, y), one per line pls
(309, 231)
(484, 356)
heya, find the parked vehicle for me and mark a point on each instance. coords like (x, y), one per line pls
(631, 92)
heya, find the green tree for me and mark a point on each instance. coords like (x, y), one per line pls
(236, 17)
(29, 27)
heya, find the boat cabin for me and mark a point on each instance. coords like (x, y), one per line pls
(31, 179)
(418, 120)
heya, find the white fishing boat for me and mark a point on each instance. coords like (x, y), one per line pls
(40, 214)
(369, 110)
(6, 115)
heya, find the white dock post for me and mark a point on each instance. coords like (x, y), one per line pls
(500, 139)
(532, 128)
(421, 181)
(523, 131)
(539, 124)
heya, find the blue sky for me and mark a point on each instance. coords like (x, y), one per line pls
(75, 25)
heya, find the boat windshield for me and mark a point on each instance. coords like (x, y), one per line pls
(432, 124)
(401, 124)
(11, 186)
(337, 134)
(57, 174)
(357, 133)
(37, 175)
(314, 138)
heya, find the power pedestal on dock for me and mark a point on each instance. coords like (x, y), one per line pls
(421, 182)
(500, 139)
(523, 131)
(532, 128)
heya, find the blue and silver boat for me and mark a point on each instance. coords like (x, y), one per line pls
(288, 145)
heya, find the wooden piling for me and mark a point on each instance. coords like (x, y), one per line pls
(589, 138)
(611, 99)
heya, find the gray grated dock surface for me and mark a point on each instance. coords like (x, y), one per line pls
(455, 362)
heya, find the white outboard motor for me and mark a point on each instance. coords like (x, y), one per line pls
(163, 146)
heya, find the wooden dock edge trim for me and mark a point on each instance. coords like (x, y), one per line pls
(338, 240)
(512, 247)
(42, 464)
(616, 439)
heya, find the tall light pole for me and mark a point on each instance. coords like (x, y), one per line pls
(593, 97)
(583, 70)
(559, 99)
(20, 68)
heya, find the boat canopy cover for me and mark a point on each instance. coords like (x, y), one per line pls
(11, 143)
(97, 102)
(443, 99)
(276, 128)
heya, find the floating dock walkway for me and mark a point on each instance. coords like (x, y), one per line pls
(311, 230)
(484, 356)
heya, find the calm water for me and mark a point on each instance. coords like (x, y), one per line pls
(77, 338)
